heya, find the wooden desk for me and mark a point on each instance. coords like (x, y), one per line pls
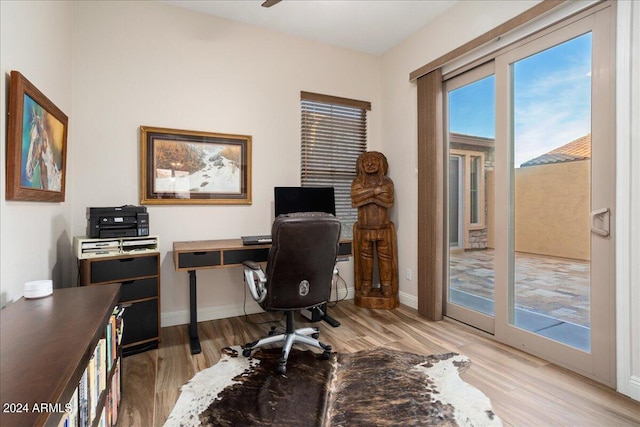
(206, 254)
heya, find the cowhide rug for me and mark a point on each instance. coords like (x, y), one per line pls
(378, 387)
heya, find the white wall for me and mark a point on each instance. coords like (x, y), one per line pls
(145, 63)
(35, 39)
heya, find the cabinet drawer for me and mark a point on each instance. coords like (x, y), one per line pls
(199, 259)
(242, 255)
(139, 289)
(123, 268)
(140, 321)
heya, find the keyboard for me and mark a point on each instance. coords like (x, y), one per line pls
(256, 240)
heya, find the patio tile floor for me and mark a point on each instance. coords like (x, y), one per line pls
(552, 294)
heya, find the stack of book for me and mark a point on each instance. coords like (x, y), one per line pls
(97, 397)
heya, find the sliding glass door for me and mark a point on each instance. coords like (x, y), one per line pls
(534, 263)
(550, 183)
(470, 104)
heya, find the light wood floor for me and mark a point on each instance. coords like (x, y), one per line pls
(524, 390)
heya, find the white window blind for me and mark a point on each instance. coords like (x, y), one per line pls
(334, 134)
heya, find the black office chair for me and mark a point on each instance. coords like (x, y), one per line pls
(298, 275)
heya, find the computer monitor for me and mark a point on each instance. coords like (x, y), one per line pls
(304, 199)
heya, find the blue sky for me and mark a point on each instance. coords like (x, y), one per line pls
(552, 100)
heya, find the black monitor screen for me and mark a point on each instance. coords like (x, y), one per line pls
(304, 199)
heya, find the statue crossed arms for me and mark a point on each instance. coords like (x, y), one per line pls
(372, 192)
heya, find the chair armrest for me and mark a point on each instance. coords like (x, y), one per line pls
(256, 280)
(252, 265)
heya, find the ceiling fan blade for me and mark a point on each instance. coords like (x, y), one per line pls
(269, 3)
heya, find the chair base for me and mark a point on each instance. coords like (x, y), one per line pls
(289, 338)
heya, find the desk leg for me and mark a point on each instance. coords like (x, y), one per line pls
(194, 341)
(324, 316)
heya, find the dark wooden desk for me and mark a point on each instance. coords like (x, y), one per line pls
(206, 254)
(46, 346)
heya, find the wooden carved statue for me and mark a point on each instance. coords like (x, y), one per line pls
(374, 233)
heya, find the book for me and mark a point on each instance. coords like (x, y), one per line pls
(83, 399)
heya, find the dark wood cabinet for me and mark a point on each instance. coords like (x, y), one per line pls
(140, 294)
(47, 345)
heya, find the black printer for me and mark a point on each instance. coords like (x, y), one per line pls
(121, 221)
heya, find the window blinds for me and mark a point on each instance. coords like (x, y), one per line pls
(334, 134)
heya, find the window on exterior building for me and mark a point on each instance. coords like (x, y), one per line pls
(334, 134)
(474, 189)
(468, 188)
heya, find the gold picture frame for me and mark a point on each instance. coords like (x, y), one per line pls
(36, 144)
(185, 167)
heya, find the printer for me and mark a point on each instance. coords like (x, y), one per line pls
(121, 221)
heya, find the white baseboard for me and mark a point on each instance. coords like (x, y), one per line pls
(633, 388)
(222, 312)
(408, 300)
(208, 313)
(232, 310)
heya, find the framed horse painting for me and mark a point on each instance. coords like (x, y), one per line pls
(36, 144)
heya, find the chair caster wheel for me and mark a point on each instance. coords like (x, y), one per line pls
(282, 369)
(326, 355)
(272, 332)
(316, 335)
(246, 352)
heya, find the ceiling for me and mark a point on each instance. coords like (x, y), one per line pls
(371, 26)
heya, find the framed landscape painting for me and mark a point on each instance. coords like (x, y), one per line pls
(36, 144)
(193, 167)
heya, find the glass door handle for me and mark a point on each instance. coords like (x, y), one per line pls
(603, 217)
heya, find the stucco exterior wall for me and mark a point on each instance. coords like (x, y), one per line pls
(552, 210)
